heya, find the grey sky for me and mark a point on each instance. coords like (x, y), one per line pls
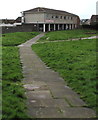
(11, 8)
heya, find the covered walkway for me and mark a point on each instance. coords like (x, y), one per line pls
(45, 27)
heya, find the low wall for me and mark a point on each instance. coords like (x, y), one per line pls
(20, 28)
(95, 27)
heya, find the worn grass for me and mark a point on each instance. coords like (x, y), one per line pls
(76, 63)
(68, 34)
(14, 106)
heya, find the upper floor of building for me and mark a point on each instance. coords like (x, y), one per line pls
(46, 15)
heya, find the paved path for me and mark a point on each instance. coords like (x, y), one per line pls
(48, 96)
(92, 37)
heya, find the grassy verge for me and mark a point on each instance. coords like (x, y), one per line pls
(0, 78)
(13, 92)
(68, 34)
(76, 63)
(12, 39)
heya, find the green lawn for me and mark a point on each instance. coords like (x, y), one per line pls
(12, 90)
(13, 93)
(74, 60)
(0, 76)
(76, 63)
(68, 34)
(12, 39)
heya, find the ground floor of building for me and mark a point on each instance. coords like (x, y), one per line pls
(54, 27)
(41, 27)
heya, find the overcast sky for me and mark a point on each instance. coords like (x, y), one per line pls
(11, 8)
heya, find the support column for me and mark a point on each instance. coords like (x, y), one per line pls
(63, 27)
(22, 19)
(66, 26)
(58, 27)
(49, 27)
(70, 26)
(75, 26)
(44, 28)
(54, 27)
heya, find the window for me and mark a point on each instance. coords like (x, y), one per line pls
(71, 18)
(56, 16)
(60, 17)
(64, 17)
(52, 16)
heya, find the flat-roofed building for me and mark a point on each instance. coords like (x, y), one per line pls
(50, 20)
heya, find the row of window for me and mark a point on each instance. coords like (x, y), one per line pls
(63, 17)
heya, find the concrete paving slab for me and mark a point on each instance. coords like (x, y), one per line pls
(47, 112)
(55, 83)
(54, 103)
(78, 112)
(34, 103)
(75, 100)
(59, 103)
(72, 98)
(43, 94)
(35, 87)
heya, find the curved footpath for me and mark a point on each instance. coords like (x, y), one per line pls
(92, 37)
(47, 94)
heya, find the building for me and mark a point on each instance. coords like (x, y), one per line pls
(85, 22)
(7, 21)
(18, 20)
(45, 19)
(10, 22)
(94, 20)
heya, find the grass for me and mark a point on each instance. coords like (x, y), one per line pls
(76, 63)
(68, 34)
(12, 90)
(13, 39)
(13, 93)
(0, 77)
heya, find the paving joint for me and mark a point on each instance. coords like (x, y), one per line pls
(68, 102)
